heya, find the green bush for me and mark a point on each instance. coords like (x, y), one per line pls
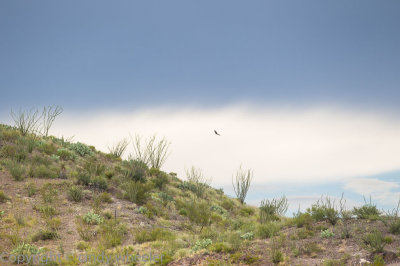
(154, 234)
(165, 198)
(75, 193)
(198, 212)
(185, 185)
(31, 189)
(47, 148)
(81, 149)
(246, 211)
(45, 235)
(220, 247)
(374, 242)
(16, 170)
(43, 171)
(268, 230)
(26, 249)
(367, 211)
(100, 182)
(92, 218)
(202, 244)
(302, 219)
(324, 210)
(8, 151)
(136, 192)
(247, 236)
(327, 233)
(105, 197)
(394, 227)
(3, 197)
(83, 179)
(136, 170)
(112, 233)
(65, 154)
(49, 193)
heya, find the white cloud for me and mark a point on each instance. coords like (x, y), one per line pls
(302, 145)
(379, 190)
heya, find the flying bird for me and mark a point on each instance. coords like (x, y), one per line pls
(216, 133)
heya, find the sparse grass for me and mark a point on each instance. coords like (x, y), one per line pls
(31, 189)
(112, 233)
(44, 234)
(268, 230)
(16, 170)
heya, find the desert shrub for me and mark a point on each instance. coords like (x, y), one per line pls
(367, 211)
(8, 151)
(65, 154)
(3, 197)
(268, 230)
(54, 223)
(378, 260)
(49, 193)
(246, 211)
(16, 170)
(85, 231)
(394, 228)
(38, 159)
(31, 189)
(198, 180)
(165, 198)
(119, 148)
(227, 204)
(144, 235)
(75, 193)
(302, 219)
(160, 180)
(324, 210)
(47, 148)
(81, 149)
(112, 233)
(10, 134)
(374, 242)
(43, 171)
(198, 212)
(185, 185)
(26, 249)
(304, 233)
(94, 168)
(83, 178)
(100, 182)
(327, 233)
(44, 234)
(136, 192)
(242, 183)
(276, 252)
(153, 153)
(203, 243)
(271, 210)
(105, 197)
(136, 170)
(47, 210)
(92, 218)
(220, 247)
(218, 209)
(247, 236)
(26, 121)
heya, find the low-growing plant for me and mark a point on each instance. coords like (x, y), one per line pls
(136, 192)
(302, 219)
(220, 247)
(268, 230)
(16, 170)
(75, 193)
(81, 149)
(31, 189)
(44, 234)
(327, 233)
(247, 236)
(112, 233)
(92, 218)
(3, 197)
(100, 182)
(49, 193)
(136, 170)
(203, 243)
(198, 212)
(26, 249)
(65, 154)
(43, 171)
(83, 179)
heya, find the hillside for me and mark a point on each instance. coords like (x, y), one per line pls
(77, 204)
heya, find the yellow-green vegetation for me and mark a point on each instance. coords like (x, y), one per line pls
(70, 198)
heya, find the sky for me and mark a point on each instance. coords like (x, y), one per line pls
(305, 93)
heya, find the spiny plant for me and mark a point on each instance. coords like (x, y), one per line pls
(242, 182)
(271, 210)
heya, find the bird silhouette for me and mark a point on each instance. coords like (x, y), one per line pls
(216, 133)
